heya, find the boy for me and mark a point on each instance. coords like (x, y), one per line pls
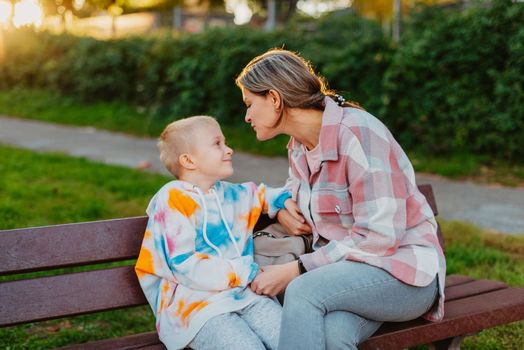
(196, 260)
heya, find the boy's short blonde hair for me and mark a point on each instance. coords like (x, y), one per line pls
(179, 137)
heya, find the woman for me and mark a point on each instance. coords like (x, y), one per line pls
(376, 253)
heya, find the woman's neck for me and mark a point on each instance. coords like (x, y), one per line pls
(304, 125)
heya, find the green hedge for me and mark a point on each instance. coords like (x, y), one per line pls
(454, 84)
(175, 76)
(459, 83)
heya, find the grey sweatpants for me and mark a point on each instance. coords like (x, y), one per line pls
(257, 326)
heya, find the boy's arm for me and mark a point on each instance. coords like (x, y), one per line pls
(270, 199)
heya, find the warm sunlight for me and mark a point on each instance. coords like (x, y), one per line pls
(317, 7)
(5, 10)
(28, 12)
(241, 10)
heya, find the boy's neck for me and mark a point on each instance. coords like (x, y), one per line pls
(197, 180)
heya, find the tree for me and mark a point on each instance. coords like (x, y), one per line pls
(10, 22)
(287, 8)
(114, 7)
(58, 7)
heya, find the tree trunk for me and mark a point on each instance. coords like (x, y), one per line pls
(10, 22)
(113, 26)
(291, 9)
(396, 19)
(2, 46)
(271, 15)
(177, 17)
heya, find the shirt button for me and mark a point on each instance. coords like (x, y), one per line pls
(337, 209)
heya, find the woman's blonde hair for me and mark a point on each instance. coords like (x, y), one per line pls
(291, 76)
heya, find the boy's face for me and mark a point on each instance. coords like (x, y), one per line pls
(213, 158)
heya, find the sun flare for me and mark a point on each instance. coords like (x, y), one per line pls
(5, 10)
(26, 12)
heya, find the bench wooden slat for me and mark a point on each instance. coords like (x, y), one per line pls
(475, 287)
(454, 280)
(427, 191)
(49, 247)
(463, 316)
(154, 347)
(141, 341)
(70, 294)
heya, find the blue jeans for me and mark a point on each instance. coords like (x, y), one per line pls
(254, 327)
(339, 305)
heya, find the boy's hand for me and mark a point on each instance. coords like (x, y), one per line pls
(292, 220)
(275, 278)
(294, 210)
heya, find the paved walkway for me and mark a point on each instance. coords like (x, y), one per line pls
(501, 209)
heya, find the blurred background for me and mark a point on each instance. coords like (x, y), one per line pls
(446, 77)
(103, 18)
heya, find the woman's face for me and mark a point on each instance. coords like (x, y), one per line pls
(261, 113)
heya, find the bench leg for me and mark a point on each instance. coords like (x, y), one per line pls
(448, 344)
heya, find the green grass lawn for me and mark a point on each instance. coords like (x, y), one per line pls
(49, 106)
(43, 189)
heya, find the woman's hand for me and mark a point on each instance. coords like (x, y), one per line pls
(292, 220)
(274, 278)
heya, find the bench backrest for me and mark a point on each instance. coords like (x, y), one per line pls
(80, 244)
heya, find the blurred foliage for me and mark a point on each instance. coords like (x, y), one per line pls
(173, 76)
(353, 54)
(453, 84)
(457, 81)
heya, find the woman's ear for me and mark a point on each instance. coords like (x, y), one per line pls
(275, 98)
(186, 161)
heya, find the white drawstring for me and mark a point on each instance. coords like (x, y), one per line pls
(203, 199)
(225, 223)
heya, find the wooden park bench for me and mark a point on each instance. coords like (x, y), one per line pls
(471, 305)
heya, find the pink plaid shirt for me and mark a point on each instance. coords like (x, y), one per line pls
(363, 204)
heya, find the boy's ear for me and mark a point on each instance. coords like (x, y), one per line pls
(186, 161)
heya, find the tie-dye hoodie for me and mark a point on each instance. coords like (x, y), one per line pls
(196, 259)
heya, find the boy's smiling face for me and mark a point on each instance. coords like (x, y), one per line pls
(212, 157)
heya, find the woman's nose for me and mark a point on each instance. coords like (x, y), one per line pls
(247, 118)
